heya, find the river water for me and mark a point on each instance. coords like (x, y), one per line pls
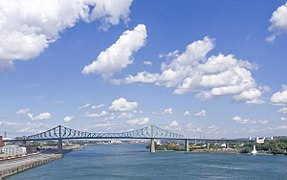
(133, 161)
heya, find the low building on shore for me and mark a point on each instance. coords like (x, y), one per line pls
(12, 151)
(260, 140)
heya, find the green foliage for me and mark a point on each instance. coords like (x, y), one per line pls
(275, 147)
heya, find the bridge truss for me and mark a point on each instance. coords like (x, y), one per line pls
(62, 132)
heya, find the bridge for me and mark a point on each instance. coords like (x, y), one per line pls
(61, 133)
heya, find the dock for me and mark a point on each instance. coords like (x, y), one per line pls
(13, 166)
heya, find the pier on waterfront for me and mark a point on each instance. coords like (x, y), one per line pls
(13, 166)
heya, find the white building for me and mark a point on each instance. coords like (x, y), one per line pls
(260, 140)
(12, 151)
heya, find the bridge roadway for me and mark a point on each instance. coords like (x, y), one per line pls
(131, 138)
(150, 132)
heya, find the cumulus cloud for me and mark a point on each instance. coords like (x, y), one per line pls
(68, 118)
(122, 104)
(28, 27)
(23, 111)
(119, 55)
(186, 114)
(280, 97)
(138, 121)
(191, 71)
(263, 122)
(278, 22)
(201, 113)
(31, 116)
(41, 116)
(96, 115)
(164, 112)
(173, 125)
(283, 110)
(85, 106)
(283, 119)
(97, 106)
(240, 120)
(278, 127)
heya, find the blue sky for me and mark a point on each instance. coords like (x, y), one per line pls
(215, 67)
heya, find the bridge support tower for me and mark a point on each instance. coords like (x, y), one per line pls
(60, 145)
(186, 145)
(152, 146)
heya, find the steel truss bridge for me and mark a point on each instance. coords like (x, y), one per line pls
(150, 132)
(63, 132)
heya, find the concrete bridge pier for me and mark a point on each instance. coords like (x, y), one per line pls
(60, 145)
(152, 146)
(186, 145)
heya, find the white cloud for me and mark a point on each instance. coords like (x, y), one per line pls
(95, 115)
(278, 127)
(122, 104)
(119, 55)
(278, 22)
(125, 115)
(31, 116)
(191, 71)
(283, 119)
(147, 63)
(240, 120)
(21, 128)
(23, 111)
(138, 121)
(201, 113)
(164, 112)
(263, 122)
(174, 125)
(187, 114)
(68, 118)
(41, 116)
(280, 97)
(97, 106)
(85, 106)
(283, 110)
(28, 27)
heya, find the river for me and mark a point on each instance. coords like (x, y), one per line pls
(133, 161)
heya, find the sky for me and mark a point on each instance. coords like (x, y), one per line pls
(215, 68)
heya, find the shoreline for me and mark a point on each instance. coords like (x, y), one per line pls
(221, 152)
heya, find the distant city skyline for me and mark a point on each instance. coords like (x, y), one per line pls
(212, 67)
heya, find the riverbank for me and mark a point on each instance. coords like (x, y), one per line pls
(11, 167)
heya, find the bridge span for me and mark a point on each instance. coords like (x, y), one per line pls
(61, 133)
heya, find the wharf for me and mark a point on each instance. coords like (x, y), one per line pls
(10, 167)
